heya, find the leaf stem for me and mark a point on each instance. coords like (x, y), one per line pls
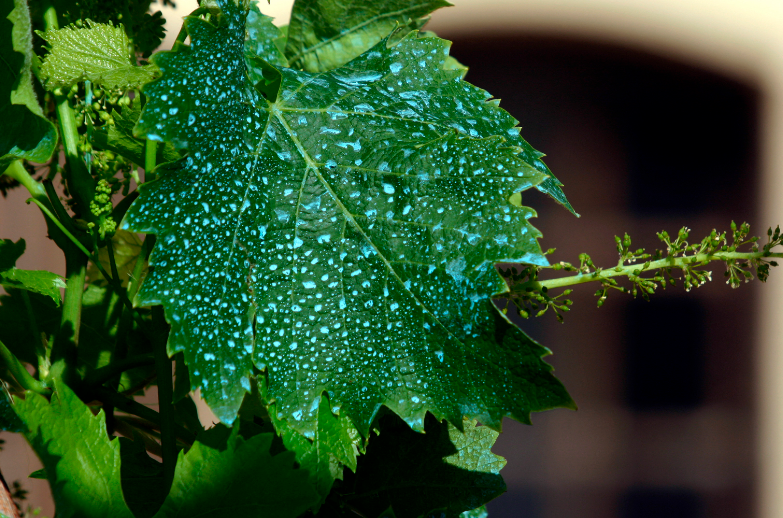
(17, 171)
(100, 376)
(637, 269)
(150, 158)
(64, 349)
(20, 374)
(80, 183)
(132, 407)
(165, 395)
(59, 224)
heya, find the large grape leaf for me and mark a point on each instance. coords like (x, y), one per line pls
(25, 132)
(340, 234)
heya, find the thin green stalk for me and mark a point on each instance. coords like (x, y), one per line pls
(132, 407)
(19, 373)
(59, 224)
(116, 367)
(17, 171)
(40, 352)
(150, 158)
(637, 269)
(64, 349)
(165, 395)
(80, 184)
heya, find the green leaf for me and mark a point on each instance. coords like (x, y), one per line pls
(37, 281)
(81, 463)
(416, 474)
(264, 39)
(238, 478)
(39, 473)
(119, 138)
(334, 445)
(97, 52)
(9, 421)
(346, 231)
(25, 132)
(326, 34)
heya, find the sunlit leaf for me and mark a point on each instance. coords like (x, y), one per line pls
(37, 281)
(81, 462)
(97, 52)
(326, 34)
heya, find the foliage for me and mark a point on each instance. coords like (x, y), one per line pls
(324, 206)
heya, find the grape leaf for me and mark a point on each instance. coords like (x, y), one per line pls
(37, 281)
(240, 478)
(334, 444)
(81, 463)
(341, 235)
(97, 52)
(326, 34)
(25, 132)
(143, 484)
(443, 472)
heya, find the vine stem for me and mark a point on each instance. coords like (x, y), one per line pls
(637, 269)
(17, 370)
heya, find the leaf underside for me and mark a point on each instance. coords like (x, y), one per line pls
(25, 132)
(340, 235)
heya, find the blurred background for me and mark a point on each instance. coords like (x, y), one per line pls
(655, 115)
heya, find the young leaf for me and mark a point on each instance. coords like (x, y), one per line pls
(97, 52)
(37, 281)
(25, 132)
(81, 462)
(326, 34)
(417, 474)
(355, 219)
(334, 445)
(238, 478)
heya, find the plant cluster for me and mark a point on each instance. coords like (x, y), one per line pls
(303, 224)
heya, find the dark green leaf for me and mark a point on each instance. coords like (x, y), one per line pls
(10, 252)
(81, 463)
(96, 52)
(263, 42)
(40, 473)
(143, 485)
(355, 222)
(334, 445)
(416, 474)
(25, 132)
(326, 34)
(239, 479)
(9, 421)
(17, 324)
(119, 138)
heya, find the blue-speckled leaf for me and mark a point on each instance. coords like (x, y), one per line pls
(341, 235)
